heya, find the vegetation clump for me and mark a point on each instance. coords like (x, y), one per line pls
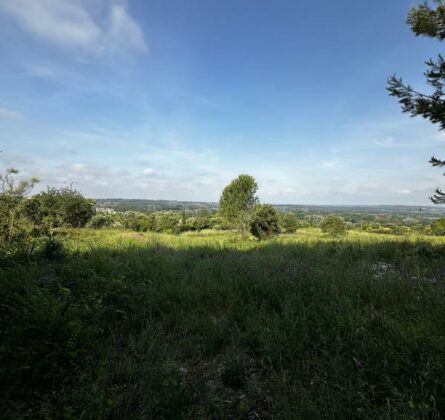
(438, 226)
(25, 221)
(264, 223)
(289, 222)
(333, 225)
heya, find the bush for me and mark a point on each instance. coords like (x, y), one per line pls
(62, 207)
(289, 222)
(333, 225)
(99, 221)
(51, 249)
(264, 223)
(438, 226)
(16, 233)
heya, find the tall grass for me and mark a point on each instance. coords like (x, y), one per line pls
(210, 325)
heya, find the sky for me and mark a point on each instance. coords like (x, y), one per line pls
(171, 99)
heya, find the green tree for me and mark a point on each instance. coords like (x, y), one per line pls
(13, 226)
(333, 225)
(428, 22)
(264, 222)
(237, 200)
(289, 222)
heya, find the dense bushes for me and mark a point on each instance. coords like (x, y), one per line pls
(23, 220)
(264, 223)
(178, 221)
(62, 207)
(168, 221)
(100, 221)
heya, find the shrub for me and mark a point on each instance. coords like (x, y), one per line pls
(264, 222)
(62, 207)
(16, 233)
(438, 226)
(51, 249)
(289, 222)
(99, 221)
(333, 225)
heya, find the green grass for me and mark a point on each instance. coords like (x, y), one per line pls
(129, 325)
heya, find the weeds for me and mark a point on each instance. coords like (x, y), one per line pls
(208, 325)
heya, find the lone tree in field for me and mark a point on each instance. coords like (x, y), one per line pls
(428, 22)
(333, 225)
(237, 200)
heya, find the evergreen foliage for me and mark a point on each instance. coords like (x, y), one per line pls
(430, 22)
(237, 200)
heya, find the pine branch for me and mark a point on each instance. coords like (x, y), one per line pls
(437, 162)
(438, 197)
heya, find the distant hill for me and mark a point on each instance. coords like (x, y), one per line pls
(121, 204)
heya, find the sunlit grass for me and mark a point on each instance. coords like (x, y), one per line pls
(214, 325)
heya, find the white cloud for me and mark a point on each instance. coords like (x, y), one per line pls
(329, 163)
(9, 114)
(148, 171)
(404, 191)
(123, 32)
(78, 167)
(440, 136)
(69, 23)
(58, 21)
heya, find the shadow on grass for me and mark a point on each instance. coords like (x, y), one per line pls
(286, 330)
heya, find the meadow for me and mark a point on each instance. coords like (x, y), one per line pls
(128, 325)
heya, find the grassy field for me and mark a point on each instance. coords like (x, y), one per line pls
(127, 325)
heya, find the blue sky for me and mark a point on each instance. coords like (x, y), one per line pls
(171, 99)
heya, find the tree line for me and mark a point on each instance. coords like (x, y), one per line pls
(29, 223)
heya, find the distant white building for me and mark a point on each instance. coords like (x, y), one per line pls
(104, 210)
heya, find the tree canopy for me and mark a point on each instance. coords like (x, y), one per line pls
(237, 200)
(430, 22)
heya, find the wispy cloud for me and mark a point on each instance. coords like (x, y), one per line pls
(9, 114)
(148, 171)
(70, 24)
(329, 163)
(385, 142)
(123, 32)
